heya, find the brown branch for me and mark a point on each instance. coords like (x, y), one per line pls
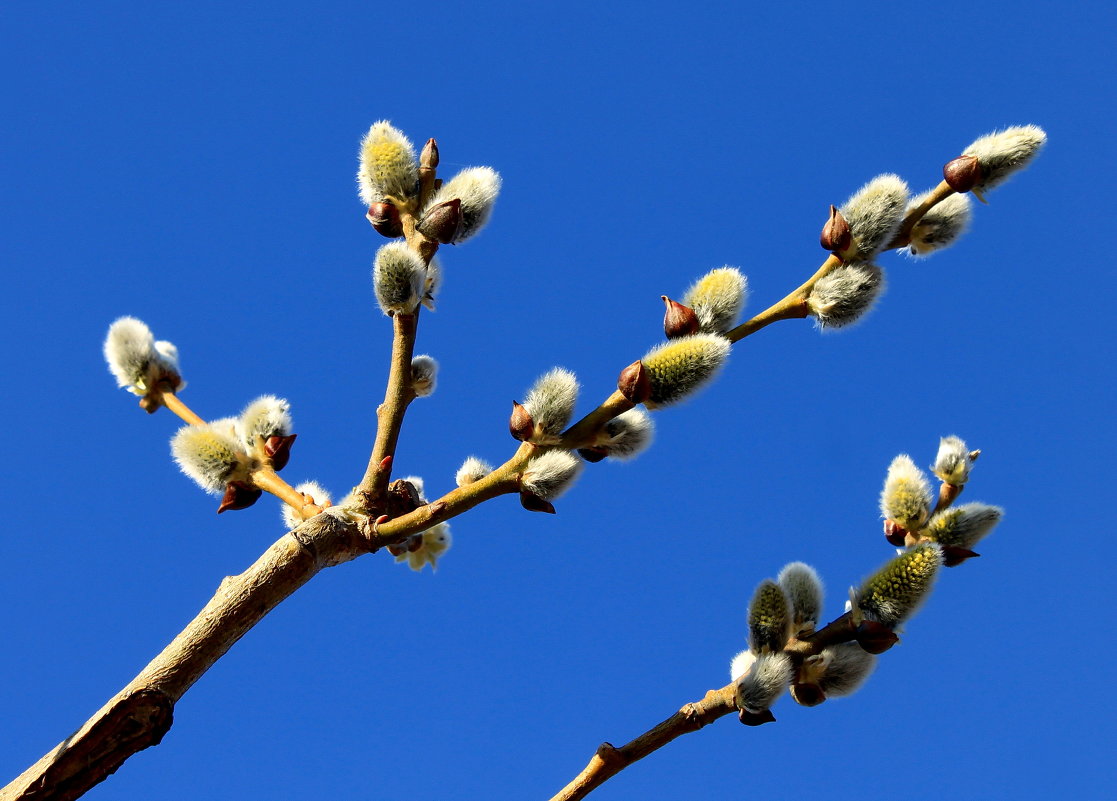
(140, 714)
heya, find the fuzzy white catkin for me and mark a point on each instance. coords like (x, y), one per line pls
(845, 294)
(265, 417)
(740, 664)
(477, 188)
(953, 462)
(874, 214)
(550, 401)
(765, 682)
(717, 299)
(628, 434)
(964, 526)
(803, 587)
(432, 284)
(550, 475)
(424, 375)
(940, 227)
(136, 360)
(848, 665)
(472, 469)
(399, 278)
(678, 368)
(387, 164)
(1002, 153)
(419, 485)
(208, 455)
(906, 497)
(436, 541)
(321, 496)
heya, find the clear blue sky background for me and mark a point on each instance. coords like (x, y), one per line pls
(192, 164)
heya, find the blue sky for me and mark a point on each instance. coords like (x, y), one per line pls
(192, 165)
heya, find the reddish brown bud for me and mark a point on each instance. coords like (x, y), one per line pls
(414, 542)
(386, 463)
(952, 555)
(520, 423)
(278, 450)
(963, 173)
(238, 495)
(385, 219)
(678, 320)
(836, 235)
(875, 638)
(593, 455)
(807, 694)
(443, 222)
(402, 498)
(895, 533)
(756, 718)
(634, 383)
(974, 455)
(533, 503)
(429, 156)
(398, 548)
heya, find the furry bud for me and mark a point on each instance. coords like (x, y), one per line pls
(906, 497)
(424, 375)
(384, 217)
(681, 366)
(953, 461)
(210, 456)
(626, 436)
(387, 167)
(895, 591)
(741, 664)
(836, 235)
(399, 278)
(874, 214)
(550, 404)
(1000, 154)
(549, 475)
(764, 682)
(941, 226)
(718, 298)
(318, 495)
(264, 418)
(846, 667)
(678, 320)
(477, 189)
(803, 589)
(769, 618)
(472, 469)
(845, 294)
(137, 361)
(964, 526)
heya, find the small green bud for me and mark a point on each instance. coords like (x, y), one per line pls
(803, 589)
(718, 298)
(906, 497)
(681, 366)
(769, 618)
(895, 591)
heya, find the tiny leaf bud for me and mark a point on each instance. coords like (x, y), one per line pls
(385, 219)
(424, 375)
(399, 278)
(634, 383)
(769, 618)
(874, 214)
(941, 226)
(678, 320)
(764, 683)
(718, 298)
(953, 462)
(845, 294)
(472, 469)
(550, 404)
(906, 497)
(477, 189)
(387, 165)
(429, 157)
(803, 589)
(238, 495)
(681, 366)
(443, 222)
(895, 591)
(836, 235)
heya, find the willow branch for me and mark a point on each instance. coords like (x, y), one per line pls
(140, 714)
